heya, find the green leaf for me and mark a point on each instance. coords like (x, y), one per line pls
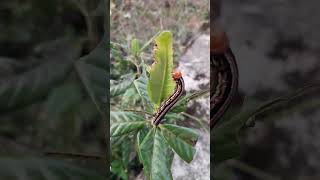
(126, 150)
(160, 168)
(122, 86)
(161, 85)
(63, 99)
(87, 110)
(30, 168)
(125, 122)
(143, 156)
(187, 134)
(129, 98)
(181, 105)
(118, 168)
(118, 129)
(176, 136)
(170, 118)
(93, 71)
(123, 116)
(63, 104)
(141, 86)
(155, 157)
(116, 141)
(145, 137)
(145, 150)
(135, 47)
(140, 137)
(31, 86)
(149, 42)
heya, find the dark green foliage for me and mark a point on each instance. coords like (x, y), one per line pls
(53, 89)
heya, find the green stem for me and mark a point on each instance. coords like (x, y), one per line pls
(198, 121)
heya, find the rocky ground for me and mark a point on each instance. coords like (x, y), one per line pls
(277, 47)
(195, 66)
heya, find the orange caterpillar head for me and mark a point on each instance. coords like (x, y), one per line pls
(219, 42)
(176, 74)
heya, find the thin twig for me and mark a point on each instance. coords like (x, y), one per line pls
(283, 99)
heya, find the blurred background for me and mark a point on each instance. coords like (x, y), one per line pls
(277, 45)
(188, 21)
(53, 76)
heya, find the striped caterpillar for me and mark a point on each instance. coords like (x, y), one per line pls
(223, 76)
(172, 100)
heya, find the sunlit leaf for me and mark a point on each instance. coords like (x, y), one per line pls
(118, 168)
(122, 86)
(177, 137)
(125, 122)
(135, 47)
(161, 85)
(130, 98)
(154, 156)
(187, 134)
(141, 87)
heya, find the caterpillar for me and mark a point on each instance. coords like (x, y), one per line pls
(172, 100)
(223, 76)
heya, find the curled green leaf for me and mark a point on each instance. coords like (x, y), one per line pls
(161, 85)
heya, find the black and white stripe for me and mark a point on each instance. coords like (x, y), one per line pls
(170, 102)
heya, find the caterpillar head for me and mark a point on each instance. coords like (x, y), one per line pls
(176, 74)
(219, 42)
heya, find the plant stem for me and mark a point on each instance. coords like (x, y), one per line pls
(196, 119)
